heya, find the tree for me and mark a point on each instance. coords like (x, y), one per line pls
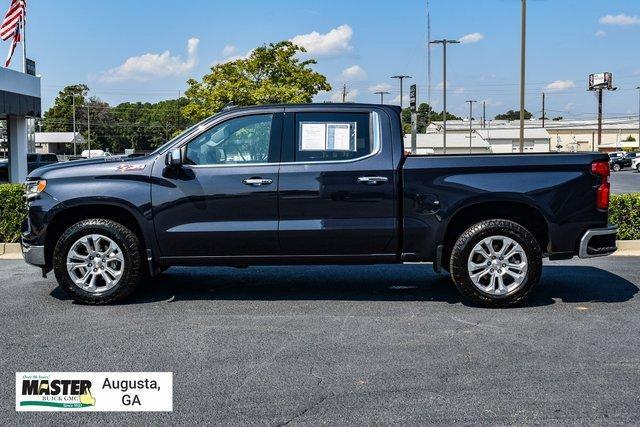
(271, 74)
(557, 119)
(422, 117)
(513, 115)
(630, 138)
(59, 118)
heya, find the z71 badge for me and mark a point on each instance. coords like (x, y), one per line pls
(130, 168)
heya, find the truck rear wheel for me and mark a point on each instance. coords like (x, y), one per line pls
(98, 261)
(496, 263)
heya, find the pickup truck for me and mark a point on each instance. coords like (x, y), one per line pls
(314, 184)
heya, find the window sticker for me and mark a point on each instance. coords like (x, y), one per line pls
(327, 136)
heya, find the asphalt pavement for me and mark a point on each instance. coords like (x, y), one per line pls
(341, 345)
(625, 181)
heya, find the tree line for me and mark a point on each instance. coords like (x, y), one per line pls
(270, 74)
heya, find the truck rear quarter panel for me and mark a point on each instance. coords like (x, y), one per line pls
(559, 186)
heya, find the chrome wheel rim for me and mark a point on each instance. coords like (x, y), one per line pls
(95, 263)
(497, 266)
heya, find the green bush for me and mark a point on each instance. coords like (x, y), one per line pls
(625, 213)
(12, 211)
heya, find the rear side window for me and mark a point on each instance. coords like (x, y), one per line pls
(332, 136)
(32, 158)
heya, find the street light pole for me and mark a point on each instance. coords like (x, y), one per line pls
(638, 114)
(382, 93)
(401, 78)
(444, 43)
(522, 71)
(470, 101)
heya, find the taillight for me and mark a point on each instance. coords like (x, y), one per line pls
(602, 196)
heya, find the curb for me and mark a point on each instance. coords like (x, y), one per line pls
(11, 249)
(628, 245)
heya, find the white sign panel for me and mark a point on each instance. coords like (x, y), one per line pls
(94, 391)
(313, 137)
(339, 137)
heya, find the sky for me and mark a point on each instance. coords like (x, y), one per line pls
(145, 50)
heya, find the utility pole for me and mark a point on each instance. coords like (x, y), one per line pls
(638, 88)
(543, 117)
(444, 43)
(428, 65)
(401, 78)
(484, 114)
(73, 103)
(382, 93)
(344, 93)
(89, 130)
(522, 71)
(470, 101)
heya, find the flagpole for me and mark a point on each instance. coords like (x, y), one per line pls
(24, 39)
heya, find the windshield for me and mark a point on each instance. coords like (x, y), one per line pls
(183, 134)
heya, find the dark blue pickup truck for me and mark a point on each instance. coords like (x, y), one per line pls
(314, 184)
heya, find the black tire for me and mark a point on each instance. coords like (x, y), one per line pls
(616, 167)
(128, 242)
(467, 241)
(638, 168)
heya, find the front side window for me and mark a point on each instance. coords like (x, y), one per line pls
(240, 140)
(332, 136)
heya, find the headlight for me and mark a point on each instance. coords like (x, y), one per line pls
(33, 188)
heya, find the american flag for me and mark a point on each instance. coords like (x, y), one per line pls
(10, 27)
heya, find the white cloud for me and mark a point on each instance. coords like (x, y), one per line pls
(560, 85)
(458, 90)
(382, 87)
(568, 107)
(334, 42)
(229, 50)
(471, 38)
(620, 19)
(490, 102)
(441, 85)
(601, 33)
(351, 96)
(150, 65)
(405, 100)
(354, 72)
(231, 58)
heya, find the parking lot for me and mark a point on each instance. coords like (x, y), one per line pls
(625, 181)
(353, 344)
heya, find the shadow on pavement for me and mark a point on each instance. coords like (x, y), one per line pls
(570, 284)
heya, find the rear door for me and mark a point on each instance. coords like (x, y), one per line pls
(337, 191)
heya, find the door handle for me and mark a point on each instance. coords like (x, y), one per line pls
(372, 180)
(256, 182)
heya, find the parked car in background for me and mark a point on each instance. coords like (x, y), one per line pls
(619, 161)
(314, 184)
(635, 164)
(94, 153)
(34, 161)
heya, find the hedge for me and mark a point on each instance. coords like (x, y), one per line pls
(12, 210)
(625, 213)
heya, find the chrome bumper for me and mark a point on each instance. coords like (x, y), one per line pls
(33, 255)
(598, 242)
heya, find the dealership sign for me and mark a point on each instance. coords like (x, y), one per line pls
(94, 391)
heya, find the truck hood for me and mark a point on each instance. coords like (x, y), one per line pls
(100, 165)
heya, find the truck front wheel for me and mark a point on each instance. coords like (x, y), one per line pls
(496, 263)
(98, 261)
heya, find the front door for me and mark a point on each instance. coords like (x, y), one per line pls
(222, 202)
(337, 185)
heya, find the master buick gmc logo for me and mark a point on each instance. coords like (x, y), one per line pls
(56, 393)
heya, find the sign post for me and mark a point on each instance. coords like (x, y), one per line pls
(414, 118)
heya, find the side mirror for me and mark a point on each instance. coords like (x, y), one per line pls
(174, 158)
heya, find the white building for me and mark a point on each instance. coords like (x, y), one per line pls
(57, 142)
(482, 141)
